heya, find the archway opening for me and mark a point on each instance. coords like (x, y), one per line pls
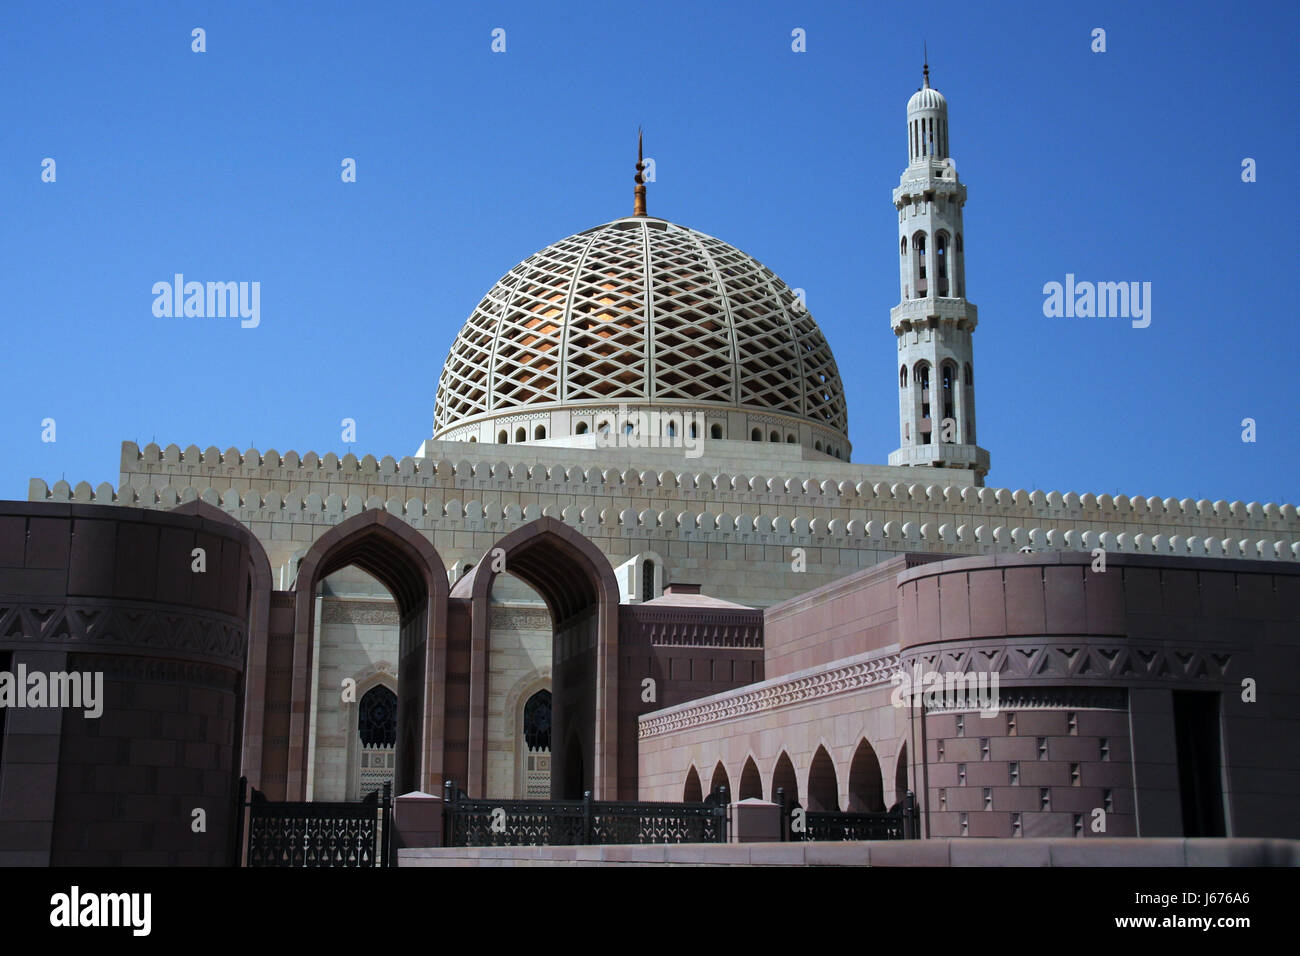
(751, 784)
(575, 583)
(574, 776)
(691, 793)
(719, 780)
(783, 779)
(399, 564)
(823, 788)
(866, 786)
(900, 774)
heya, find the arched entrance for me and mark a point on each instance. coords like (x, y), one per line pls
(719, 779)
(783, 778)
(576, 582)
(866, 785)
(823, 788)
(751, 784)
(406, 564)
(691, 793)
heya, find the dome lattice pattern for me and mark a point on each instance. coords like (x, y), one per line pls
(568, 326)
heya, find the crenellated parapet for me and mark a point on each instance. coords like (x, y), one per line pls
(707, 507)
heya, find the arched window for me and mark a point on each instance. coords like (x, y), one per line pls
(968, 404)
(377, 717)
(537, 721)
(959, 269)
(539, 432)
(756, 435)
(949, 390)
(941, 261)
(377, 728)
(581, 429)
(921, 378)
(671, 429)
(817, 446)
(918, 265)
(716, 431)
(473, 438)
(790, 439)
(521, 435)
(902, 377)
(902, 247)
(502, 437)
(536, 737)
(603, 428)
(647, 581)
(774, 435)
(694, 430)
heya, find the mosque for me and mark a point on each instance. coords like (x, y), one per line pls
(635, 557)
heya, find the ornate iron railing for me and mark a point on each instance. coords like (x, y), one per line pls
(487, 822)
(902, 822)
(318, 834)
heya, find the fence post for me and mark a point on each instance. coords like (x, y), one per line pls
(386, 822)
(909, 816)
(448, 812)
(780, 802)
(724, 807)
(586, 816)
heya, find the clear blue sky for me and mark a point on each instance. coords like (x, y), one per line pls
(225, 166)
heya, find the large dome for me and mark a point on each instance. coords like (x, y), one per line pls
(650, 314)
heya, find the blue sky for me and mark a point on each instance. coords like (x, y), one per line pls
(1123, 165)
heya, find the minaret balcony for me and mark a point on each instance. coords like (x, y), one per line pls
(919, 312)
(942, 456)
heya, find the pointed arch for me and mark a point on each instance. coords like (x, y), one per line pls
(751, 784)
(866, 785)
(691, 792)
(577, 583)
(720, 779)
(900, 774)
(407, 564)
(783, 778)
(823, 786)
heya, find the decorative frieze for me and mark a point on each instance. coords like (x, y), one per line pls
(772, 695)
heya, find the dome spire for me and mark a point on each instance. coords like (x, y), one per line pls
(925, 70)
(638, 204)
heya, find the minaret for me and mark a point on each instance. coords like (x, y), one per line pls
(933, 321)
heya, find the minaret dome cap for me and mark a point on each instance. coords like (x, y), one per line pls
(927, 99)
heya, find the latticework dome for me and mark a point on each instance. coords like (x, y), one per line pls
(647, 313)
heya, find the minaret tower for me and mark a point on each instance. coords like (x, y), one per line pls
(933, 320)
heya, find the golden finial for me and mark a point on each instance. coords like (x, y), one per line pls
(638, 205)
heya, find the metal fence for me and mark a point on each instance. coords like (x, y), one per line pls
(902, 822)
(485, 822)
(316, 834)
